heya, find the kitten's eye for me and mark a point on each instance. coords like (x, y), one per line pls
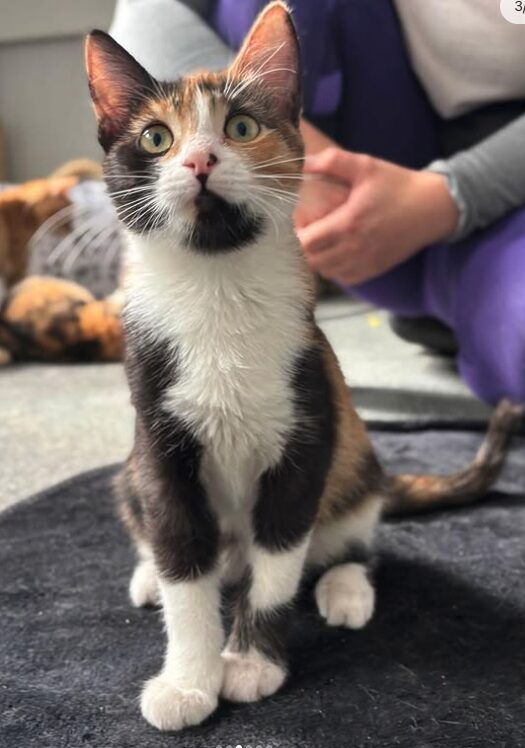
(156, 140)
(242, 128)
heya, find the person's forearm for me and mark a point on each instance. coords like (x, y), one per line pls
(488, 180)
(168, 37)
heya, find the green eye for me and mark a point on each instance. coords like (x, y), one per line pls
(156, 140)
(242, 128)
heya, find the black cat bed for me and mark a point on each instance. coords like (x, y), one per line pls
(442, 665)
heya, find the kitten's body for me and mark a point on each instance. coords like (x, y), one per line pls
(244, 352)
(235, 326)
(249, 463)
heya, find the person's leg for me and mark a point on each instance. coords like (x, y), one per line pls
(400, 290)
(477, 288)
(384, 110)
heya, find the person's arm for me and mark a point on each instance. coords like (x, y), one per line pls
(169, 37)
(391, 212)
(488, 180)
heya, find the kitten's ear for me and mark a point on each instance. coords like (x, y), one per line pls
(116, 81)
(271, 54)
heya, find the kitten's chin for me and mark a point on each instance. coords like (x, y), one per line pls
(221, 226)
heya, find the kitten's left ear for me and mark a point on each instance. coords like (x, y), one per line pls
(116, 82)
(271, 54)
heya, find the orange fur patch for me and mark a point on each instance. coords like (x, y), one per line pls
(348, 481)
(51, 318)
(23, 210)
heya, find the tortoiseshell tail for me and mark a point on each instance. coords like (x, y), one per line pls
(411, 494)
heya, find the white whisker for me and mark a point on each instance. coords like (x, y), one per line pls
(277, 162)
(54, 222)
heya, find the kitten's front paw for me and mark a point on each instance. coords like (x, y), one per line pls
(250, 677)
(143, 588)
(167, 707)
(345, 596)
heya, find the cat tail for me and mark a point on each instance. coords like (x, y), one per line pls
(411, 494)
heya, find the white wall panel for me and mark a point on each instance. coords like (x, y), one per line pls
(44, 103)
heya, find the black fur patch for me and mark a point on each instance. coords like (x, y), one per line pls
(221, 226)
(179, 522)
(267, 632)
(289, 494)
(131, 176)
(358, 553)
(126, 490)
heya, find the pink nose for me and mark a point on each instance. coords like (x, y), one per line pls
(200, 162)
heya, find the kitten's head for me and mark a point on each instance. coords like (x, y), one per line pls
(213, 159)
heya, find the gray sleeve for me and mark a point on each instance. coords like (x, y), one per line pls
(488, 180)
(168, 37)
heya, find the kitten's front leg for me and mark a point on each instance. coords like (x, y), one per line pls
(186, 690)
(255, 658)
(184, 539)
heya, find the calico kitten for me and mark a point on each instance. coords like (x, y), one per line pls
(250, 463)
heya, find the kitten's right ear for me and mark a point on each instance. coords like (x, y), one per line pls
(116, 81)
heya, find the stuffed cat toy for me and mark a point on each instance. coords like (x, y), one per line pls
(23, 209)
(52, 319)
(250, 465)
(45, 318)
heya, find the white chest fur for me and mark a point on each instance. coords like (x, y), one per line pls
(236, 324)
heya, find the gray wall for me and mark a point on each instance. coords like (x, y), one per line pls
(44, 105)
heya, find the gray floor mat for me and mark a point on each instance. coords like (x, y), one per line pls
(441, 663)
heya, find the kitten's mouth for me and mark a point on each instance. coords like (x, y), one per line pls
(207, 201)
(221, 226)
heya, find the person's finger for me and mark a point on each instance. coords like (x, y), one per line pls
(335, 162)
(341, 264)
(331, 261)
(326, 231)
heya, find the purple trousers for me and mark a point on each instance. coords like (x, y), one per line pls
(358, 76)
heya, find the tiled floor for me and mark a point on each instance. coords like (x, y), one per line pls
(56, 421)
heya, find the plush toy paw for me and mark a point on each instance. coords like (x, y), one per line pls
(51, 319)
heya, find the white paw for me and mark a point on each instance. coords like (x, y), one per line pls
(250, 677)
(345, 597)
(143, 588)
(167, 707)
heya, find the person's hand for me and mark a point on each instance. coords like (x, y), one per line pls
(389, 214)
(318, 197)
